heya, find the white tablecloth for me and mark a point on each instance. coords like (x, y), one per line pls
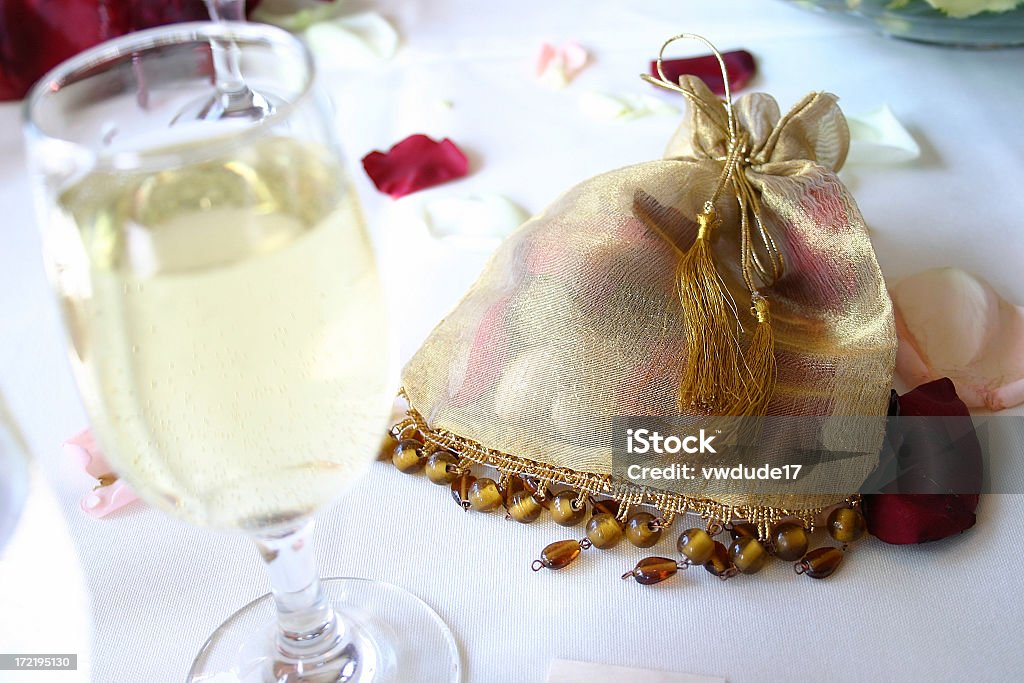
(951, 610)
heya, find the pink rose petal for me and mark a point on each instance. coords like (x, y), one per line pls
(82, 447)
(414, 164)
(545, 57)
(103, 499)
(574, 56)
(740, 65)
(559, 64)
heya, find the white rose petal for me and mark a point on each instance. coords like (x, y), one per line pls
(877, 137)
(481, 220)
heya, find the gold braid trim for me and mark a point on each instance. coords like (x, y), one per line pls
(627, 495)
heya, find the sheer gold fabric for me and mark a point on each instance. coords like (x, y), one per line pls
(577, 319)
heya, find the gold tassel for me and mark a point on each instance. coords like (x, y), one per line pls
(711, 378)
(759, 364)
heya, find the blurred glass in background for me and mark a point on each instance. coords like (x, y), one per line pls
(13, 474)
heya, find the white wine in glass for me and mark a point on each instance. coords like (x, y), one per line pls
(227, 328)
(237, 352)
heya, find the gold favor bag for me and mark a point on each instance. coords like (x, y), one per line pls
(582, 314)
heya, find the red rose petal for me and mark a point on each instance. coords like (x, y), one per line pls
(934, 398)
(145, 14)
(739, 63)
(414, 164)
(36, 35)
(902, 518)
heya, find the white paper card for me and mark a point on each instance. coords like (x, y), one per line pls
(570, 671)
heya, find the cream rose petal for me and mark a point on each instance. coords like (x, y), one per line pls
(952, 324)
(603, 106)
(353, 40)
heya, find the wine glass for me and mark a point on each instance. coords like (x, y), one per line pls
(227, 329)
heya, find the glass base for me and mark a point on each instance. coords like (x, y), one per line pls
(391, 635)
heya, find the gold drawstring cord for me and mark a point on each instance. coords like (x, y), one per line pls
(717, 375)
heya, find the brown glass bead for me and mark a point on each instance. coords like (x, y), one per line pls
(606, 507)
(442, 467)
(719, 563)
(524, 507)
(748, 555)
(604, 531)
(846, 524)
(789, 541)
(820, 563)
(564, 510)
(653, 570)
(559, 554)
(484, 495)
(743, 530)
(642, 531)
(460, 489)
(541, 493)
(695, 545)
(387, 447)
(512, 486)
(408, 456)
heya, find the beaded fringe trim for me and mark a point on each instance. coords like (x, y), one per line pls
(585, 483)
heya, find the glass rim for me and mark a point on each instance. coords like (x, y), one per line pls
(181, 33)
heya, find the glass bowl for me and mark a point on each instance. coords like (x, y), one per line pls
(918, 21)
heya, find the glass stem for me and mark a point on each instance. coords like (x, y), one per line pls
(235, 94)
(307, 626)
